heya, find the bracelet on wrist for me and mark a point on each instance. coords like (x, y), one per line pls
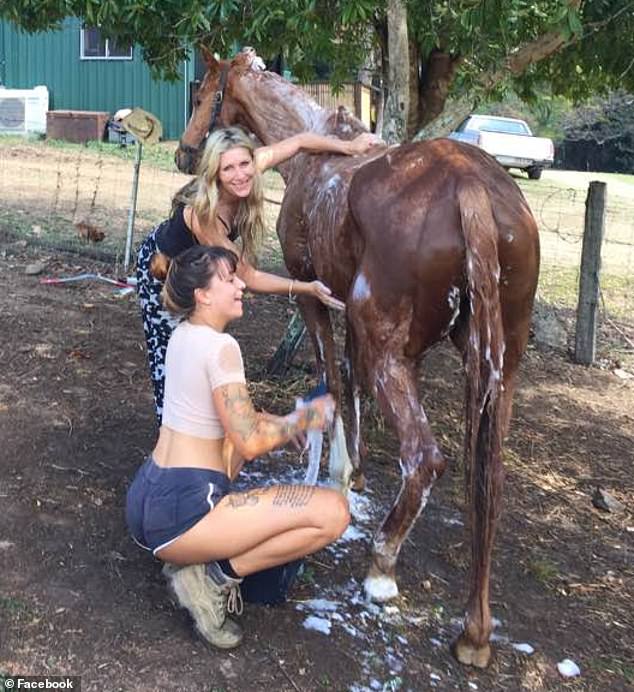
(290, 291)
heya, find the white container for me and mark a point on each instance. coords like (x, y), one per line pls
(23, 111)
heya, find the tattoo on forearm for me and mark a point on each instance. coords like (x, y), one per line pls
(240, 409)
(293, 495)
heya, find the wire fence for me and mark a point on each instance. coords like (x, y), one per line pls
(559, 210)
(77, 198)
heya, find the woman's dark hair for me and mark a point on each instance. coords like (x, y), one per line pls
(194, 268)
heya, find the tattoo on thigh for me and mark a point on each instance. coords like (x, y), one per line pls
(293, 495)
(248, 499)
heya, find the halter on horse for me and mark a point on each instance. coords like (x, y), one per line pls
(423, 241)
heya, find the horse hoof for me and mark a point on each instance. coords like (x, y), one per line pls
(380, 588)
(470, 655)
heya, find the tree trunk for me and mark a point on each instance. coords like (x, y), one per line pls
(453, 113)
(413, 113)
(438, 75)
(450, 113)
(397, 102)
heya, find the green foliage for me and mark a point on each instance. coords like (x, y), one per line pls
(343, 34)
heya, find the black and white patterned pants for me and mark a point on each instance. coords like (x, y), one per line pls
(158, 324)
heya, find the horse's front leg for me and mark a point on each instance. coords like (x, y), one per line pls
(319, 327)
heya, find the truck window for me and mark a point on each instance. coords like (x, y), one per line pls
(513, 127)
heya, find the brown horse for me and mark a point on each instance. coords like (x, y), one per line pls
(422, 241)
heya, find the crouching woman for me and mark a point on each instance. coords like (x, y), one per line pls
(180, 504)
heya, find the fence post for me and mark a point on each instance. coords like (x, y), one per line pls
(132, 210)
(586, 333)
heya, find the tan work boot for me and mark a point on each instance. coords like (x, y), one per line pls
(207, 599)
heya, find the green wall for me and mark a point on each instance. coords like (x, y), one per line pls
(52, 59)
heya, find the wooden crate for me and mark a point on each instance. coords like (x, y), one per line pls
(76, 126)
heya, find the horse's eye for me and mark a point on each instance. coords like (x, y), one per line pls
(197, 101)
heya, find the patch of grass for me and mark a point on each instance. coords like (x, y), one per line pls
(623, 178)
(615, 666)
(560, 286)
(14, 140)
(160, 156)
(307, 575)
(543, 570)
(13, 606)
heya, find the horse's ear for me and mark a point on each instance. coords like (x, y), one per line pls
(209, 58)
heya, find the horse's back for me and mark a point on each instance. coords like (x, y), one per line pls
(407, 202)
(408, 209)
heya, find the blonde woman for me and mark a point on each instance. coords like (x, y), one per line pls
(223, 205)
(180, 504)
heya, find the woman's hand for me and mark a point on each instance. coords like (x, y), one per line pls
(319, 412)
(324, 294)
(364, 143)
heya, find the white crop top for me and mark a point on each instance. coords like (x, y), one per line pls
(198, 360)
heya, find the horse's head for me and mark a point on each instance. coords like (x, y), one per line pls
(214, 105)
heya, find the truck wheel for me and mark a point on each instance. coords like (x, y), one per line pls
(534, 173)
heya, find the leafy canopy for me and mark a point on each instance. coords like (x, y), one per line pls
(344, 33)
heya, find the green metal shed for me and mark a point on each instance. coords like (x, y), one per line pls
(77, 81)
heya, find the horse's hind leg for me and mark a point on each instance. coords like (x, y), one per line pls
(421, 465)
(472, 647)
(391, 376)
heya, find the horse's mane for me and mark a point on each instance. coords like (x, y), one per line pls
(340, 122)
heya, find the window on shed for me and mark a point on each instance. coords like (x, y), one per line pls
(96, 47)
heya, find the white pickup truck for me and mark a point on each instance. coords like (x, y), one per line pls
(508, 140)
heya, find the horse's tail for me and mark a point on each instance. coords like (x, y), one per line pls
(484, 366)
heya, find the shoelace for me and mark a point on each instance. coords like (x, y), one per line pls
(234, 600)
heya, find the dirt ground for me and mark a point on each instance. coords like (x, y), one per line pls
(78, 597)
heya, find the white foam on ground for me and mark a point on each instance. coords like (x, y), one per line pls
(361, 507)
(452, 521)
(312, 622)
(320, 605)
(524, 648)
(568, 668)
(352, 533)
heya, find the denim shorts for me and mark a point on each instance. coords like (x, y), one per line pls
(163, 503)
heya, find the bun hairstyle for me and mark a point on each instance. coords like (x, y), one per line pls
(194, 268)
(159, 264)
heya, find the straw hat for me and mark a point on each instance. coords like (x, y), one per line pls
(142, 125)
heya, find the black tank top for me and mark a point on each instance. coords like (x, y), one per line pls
(173, 236)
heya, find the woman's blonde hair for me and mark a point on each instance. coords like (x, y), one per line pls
(201, 193)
